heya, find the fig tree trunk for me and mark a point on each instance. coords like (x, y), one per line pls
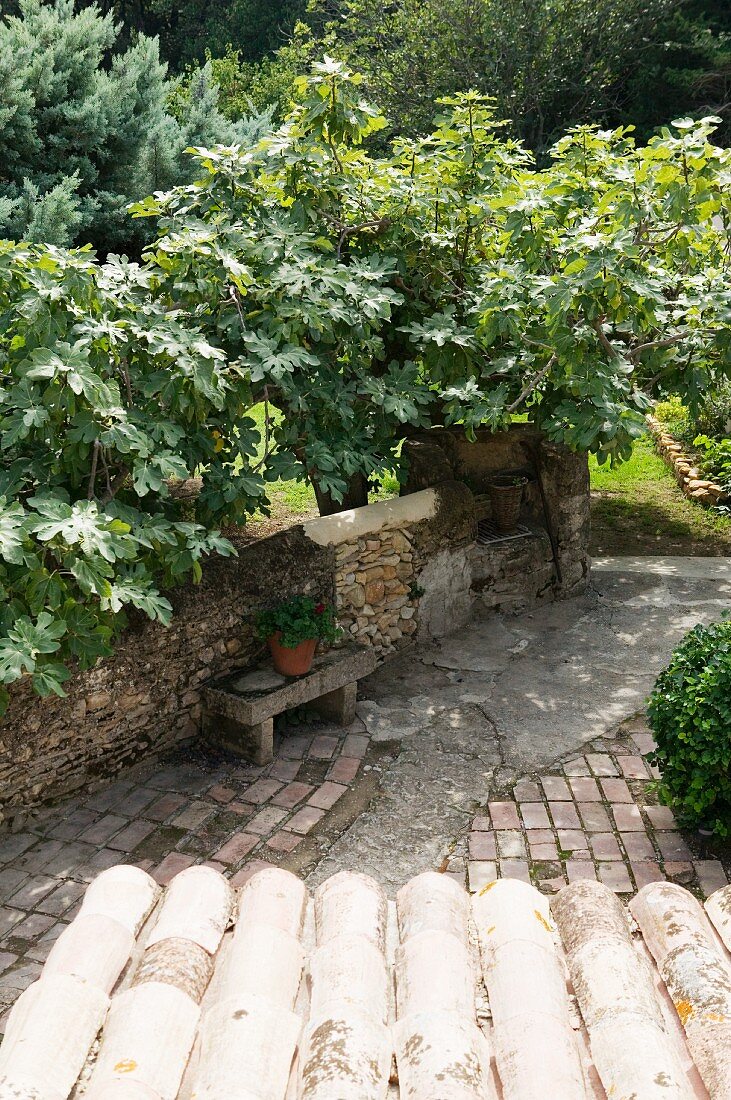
(355, 496)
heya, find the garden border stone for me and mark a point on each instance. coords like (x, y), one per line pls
(687, 474)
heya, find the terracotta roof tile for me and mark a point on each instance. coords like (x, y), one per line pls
(266, 993)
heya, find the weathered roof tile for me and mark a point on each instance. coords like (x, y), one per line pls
(268, 994)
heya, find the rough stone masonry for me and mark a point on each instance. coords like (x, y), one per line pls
(397, 569)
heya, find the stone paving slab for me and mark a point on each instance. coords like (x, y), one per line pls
(595, 816)
(696, 568)
(506, 696)
(195, 807)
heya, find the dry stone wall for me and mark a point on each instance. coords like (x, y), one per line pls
(554, 562)
(148, 695)
(687, 474)
(398, 563)
(397, 570)
(511, 576)
(374, 580)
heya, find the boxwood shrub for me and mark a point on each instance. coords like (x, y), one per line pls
(690, 715)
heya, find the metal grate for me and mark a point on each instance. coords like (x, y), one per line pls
(487, 533)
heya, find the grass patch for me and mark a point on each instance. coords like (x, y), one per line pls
(644, 468)
(638, 508)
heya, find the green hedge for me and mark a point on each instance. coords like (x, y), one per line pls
(690, 715)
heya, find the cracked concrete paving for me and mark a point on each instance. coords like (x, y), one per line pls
(507, 695)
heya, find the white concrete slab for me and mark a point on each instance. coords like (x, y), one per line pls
(690, 568)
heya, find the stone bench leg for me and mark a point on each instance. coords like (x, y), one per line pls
(254, 743)
(339, 705)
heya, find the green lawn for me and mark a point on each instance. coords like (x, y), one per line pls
(644, 467)
(638, 508)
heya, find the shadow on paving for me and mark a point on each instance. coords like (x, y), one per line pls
(507, 696)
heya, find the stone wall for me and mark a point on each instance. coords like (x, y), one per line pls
(396, 569)
(397, 561)
(147, 696)
(554, 562)
(374, 580)
(511, 576)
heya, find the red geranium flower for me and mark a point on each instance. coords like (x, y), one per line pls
(319, 608)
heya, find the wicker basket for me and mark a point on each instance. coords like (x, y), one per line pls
(506, 498)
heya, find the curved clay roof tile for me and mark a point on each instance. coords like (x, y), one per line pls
(200, 992)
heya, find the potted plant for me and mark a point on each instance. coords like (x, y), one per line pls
(506, 498)
(293, 630)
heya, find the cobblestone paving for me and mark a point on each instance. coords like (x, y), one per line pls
(593, 817)
(198, 808)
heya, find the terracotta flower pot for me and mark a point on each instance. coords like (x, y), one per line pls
(506, 498)
(292, 662)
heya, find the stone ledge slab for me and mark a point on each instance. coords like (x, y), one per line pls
(334, 669)
(356, 522)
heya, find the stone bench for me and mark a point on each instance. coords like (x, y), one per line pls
(239, 710)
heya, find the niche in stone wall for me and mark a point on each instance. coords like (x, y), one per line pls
(545, 554)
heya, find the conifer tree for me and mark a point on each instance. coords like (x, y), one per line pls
(85, 130)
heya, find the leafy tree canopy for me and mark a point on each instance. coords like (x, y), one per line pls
(549, 64)
(448, 281)
(105, 396)
(450, 276)
(686, 68)
(188, 29)
(266, 86)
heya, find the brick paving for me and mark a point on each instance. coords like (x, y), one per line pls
(193, 808)
(593, 817)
